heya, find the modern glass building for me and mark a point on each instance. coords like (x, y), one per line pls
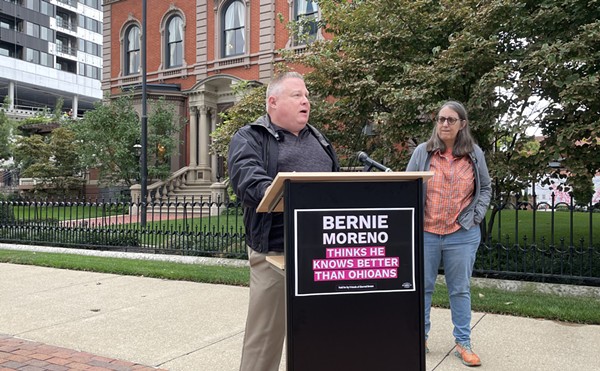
(50, 50)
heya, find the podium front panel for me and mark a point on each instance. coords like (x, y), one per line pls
(354, 292)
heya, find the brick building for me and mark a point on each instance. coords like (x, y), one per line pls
(196, 51)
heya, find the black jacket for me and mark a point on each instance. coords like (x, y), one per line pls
(252, 161)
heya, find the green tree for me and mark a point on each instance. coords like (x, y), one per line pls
(562, 67)
(250, 107)
(389, 64)
(6, 132)
(392, 63)
(53, 160)
(163, 128)
(108, 133)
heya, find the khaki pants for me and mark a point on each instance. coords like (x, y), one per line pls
(265, 324)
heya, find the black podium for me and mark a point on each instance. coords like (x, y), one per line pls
(353, 269)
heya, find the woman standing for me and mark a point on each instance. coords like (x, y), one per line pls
(456, 200)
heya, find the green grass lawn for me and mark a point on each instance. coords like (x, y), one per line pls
(235, 276)
(491, 300)
(549, 227)
(527, 303)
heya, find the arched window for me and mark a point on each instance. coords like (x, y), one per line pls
(306, 13)
(132, 51)
(234, 38)
(174, 42)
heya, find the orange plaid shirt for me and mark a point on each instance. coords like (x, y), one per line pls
(449, 191)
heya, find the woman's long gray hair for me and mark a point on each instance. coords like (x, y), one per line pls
(464, 140)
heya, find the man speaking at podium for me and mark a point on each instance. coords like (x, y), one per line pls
(280, 141)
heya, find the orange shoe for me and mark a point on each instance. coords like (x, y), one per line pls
(466, 355)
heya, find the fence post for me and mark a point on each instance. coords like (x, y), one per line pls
(136, 193)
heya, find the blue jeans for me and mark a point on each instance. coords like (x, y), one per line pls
(456, 251)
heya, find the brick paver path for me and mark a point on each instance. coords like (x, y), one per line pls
(19, 354)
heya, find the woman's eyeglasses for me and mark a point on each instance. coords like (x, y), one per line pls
(450, 120)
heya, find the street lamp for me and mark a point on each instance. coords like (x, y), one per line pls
(137, 149)
(144, 144)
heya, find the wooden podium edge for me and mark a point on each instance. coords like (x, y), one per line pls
(273, 198)
(277, 261)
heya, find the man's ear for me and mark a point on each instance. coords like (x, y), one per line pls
(272, 101)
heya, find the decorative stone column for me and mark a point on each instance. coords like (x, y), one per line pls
(136, 193)
(11, 95)
(204, 137)
(213, 158)
(75, 106)
(193, 147)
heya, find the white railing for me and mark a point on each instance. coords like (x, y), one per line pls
(29, 181)
(162, 190)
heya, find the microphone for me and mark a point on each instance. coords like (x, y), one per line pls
(369, 162)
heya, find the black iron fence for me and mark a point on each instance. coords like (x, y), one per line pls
(548, 241)
(187, 226)
(551, 242)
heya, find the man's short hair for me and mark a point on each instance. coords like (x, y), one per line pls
(275, 84)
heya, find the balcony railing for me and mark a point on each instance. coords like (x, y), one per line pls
(66, 24)
(72, 3)
(66, 50)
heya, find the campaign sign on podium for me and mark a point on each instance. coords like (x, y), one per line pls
(356, 251)
(353, 268)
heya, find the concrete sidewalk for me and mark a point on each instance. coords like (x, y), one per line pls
(129, 322)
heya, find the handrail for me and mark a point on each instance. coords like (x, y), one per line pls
(162, 188)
